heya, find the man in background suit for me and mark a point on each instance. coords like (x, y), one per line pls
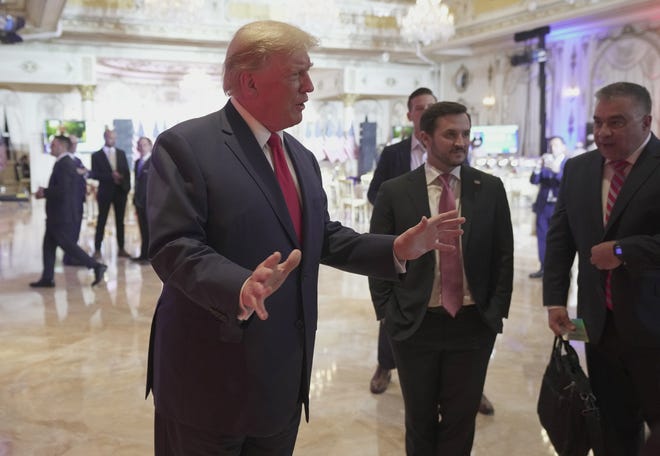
(608, 213)
(397, 159)
(110, 168)
(547, 175)
(62, 197)
(230, 195)
(140, 196)
(82, 173)
(442, 357)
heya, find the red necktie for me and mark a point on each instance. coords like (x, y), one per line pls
(285, 180)
(451, 268)
(616, 183)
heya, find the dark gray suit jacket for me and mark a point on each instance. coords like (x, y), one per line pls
(487, 245)
(394, 161)
(577, 225)
(63, 193)
(102, 171)
(216, 211)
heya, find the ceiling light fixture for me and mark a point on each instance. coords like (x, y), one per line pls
(428, 21)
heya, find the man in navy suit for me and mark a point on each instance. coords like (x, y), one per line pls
(608, 212)
(141, 173)
(547, 175)
(231, 195)
(110, 168)
(62, 200)
(395, 160)
(82, 173)
(442, 351)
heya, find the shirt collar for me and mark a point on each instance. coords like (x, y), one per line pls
(416, 143)
(261, 133)
(433, 173)
(65, 154)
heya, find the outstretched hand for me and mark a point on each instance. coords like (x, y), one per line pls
(265, 280)
(434, 233)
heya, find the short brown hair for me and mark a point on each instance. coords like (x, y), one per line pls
(440, 109)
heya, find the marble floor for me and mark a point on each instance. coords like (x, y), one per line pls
(73, 358)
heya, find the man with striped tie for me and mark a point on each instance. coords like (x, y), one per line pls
(608, 212)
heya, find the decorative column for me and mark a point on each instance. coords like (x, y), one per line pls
(87, 97)
(349, 100)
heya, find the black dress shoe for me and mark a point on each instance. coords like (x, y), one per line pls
(42, 284)
(140, 259)
(485, 407)
(536, 275)
(380, 380)
(99, 270)
(123, 254)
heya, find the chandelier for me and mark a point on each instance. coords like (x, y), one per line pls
(427, 21)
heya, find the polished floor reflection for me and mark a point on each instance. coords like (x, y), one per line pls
(73, 358)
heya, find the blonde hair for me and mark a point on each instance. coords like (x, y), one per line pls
(254, 43)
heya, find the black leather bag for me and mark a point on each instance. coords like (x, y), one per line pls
(567, 407)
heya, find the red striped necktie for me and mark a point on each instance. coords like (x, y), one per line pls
(285, 180)
(616, 183)
(451, 267)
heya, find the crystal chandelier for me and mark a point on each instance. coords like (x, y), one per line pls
(427, 21)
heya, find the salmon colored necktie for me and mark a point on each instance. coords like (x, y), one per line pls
(451, 268)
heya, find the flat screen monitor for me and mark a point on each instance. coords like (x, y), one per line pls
(56, 127)
(494, 139)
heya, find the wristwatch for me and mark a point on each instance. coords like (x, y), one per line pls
(618, 251)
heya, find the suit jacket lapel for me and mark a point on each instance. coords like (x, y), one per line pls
(470, 186)
(646, 164)
(243, 144)
(418, 194)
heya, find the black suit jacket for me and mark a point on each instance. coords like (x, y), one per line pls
(487, 244)
(102, 171)
(394, 161)
(63, 193)
(215, 212)
(577, 225)
(140, 190)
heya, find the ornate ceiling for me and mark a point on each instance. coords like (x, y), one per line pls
(364, 30)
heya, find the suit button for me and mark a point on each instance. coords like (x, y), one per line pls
(300, 324)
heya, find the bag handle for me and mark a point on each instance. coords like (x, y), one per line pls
(570, 362)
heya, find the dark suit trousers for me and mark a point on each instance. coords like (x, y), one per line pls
(118, 202)
(443, 366)
(61, 235)
(144, 231)
(626, 383)
(75, 232)
(176, 439)
(542, 223)
(385, 355)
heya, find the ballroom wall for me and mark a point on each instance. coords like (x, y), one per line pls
(101, 84)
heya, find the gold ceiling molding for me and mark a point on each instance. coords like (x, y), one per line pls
(381, 22)
(103, 4)
(491, 6)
